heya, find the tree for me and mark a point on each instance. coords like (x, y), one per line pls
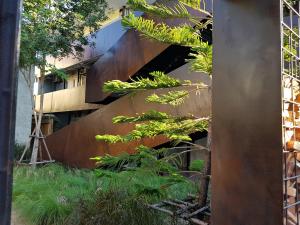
(55, 28)
(153, 123)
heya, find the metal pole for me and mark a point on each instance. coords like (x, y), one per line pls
(9, 32)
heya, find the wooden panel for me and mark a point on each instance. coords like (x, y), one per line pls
(246, 111)
(75, 144)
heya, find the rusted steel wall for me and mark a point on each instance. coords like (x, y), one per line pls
(246, 112)
(131, 53)
(75, 144)
(124, 59)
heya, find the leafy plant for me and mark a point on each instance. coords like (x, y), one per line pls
(196, 165)
(153, 123)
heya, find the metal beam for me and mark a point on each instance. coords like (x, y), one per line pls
(9, 30)
(246, 111)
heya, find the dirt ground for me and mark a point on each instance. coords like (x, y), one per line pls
(16, 220)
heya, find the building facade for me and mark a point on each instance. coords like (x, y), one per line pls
(78, 110)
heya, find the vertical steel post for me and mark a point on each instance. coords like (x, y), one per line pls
(247, 114)
(9, 29)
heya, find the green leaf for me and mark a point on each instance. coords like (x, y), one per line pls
(196, 165)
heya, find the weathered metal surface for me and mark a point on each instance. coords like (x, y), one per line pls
(130, 54)
(9, 29)
(124, 59)
(75, 144)
(246, 111)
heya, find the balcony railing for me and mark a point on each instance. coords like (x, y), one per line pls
(65, 100)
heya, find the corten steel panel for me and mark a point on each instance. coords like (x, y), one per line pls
(124, 59)
(9, 30)
(246, 112)
(131, 53)
(75, 144)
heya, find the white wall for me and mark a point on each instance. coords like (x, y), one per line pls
(24, 109)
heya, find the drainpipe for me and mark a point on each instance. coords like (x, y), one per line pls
(9, 33)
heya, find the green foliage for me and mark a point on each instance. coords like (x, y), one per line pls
(177, 11)
(196, 165)
(290, 48)
(60, 73)
(181, 35)
(57, 28)
(148, 163)
(198, 5)
(186, 35)
(54, 195)
(172, 129)
(154, 123)
(148, 116)
(201, 60)
(173, 98)
(125, 201)
(18, 151)
(46, 196)
(155, 80)
(115, 207)
(157, 161)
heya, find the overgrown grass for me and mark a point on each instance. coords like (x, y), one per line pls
(54, 195)
(48, 194)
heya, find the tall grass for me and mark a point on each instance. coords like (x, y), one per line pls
(48, 195)
(54, 195)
